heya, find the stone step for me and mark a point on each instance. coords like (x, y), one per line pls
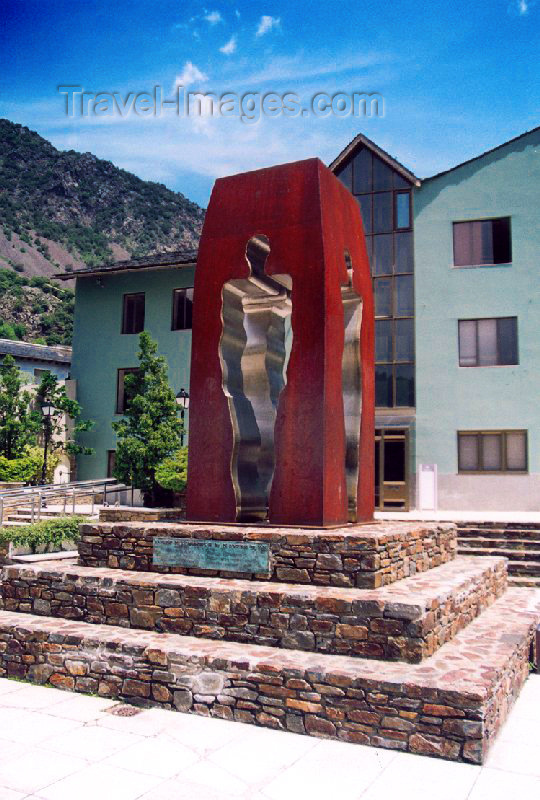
(451, 706)
(10, 523)
(500, 526)
(499, 534)
(44, 513)
(524, 580)
(518, 563)
(59, 555)
(528, 568)
(362, 556)
(493, 547)
(407, 620)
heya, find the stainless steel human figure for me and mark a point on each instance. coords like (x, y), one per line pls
(253, 351)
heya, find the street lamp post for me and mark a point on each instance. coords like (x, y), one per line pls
(47, 411)
(182, 399)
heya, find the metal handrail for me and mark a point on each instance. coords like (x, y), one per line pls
(37, 496)
(72, 484)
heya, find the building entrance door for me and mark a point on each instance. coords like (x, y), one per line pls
(391, 469)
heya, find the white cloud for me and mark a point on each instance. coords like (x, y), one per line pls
(190, 74)
(267, 24)
(521, 7)
(213, 17)
(299, 67)
(229, 48)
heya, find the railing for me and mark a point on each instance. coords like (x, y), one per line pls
(35, 498)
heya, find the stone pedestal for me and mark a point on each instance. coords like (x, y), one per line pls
(374, 634)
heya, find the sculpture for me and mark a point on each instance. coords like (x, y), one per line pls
(282, 385)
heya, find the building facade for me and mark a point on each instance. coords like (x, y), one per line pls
(34, 360)
(457, 302)
(477, 254)
(113, 304)
(384, 190)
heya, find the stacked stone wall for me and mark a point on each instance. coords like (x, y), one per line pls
(358, 556)
(453, 712)
(385, 624)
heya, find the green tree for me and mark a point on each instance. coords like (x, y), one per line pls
(172, 472)
(18, 425)
(150, 430)
(61, 425)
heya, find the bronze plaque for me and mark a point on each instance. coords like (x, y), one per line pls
(212, 554)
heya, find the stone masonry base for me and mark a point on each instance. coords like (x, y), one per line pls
(451, 705)
(407, 620)
(363, 556)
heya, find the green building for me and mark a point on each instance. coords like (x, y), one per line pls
(457, 301)
(113, 304)
(477, 254)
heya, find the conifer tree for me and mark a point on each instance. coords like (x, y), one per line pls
(150, 430)
(18, 424)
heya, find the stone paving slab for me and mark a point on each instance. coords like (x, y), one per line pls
(407, 620)
(451, 706)
(207, 759)
(363, 556)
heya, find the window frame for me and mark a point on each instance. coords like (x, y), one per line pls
(487, 366)
(359, 177)
(111, 462)
(470, 222)
(125, 300)
(121, 373)
(174, 326)
(408, 227)
(505, 470)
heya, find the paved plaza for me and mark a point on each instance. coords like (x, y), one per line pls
(60, 746)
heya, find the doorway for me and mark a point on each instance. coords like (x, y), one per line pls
(392, 469)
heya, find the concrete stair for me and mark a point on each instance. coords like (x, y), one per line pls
(519, 543)
(23, 516)
(374, 634)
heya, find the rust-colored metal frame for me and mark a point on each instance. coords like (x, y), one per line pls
(311, 220)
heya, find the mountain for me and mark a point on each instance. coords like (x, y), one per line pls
(68, 208)
(60, 210)
(35, 309)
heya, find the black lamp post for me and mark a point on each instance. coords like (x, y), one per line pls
(47, 411)
(182, 398)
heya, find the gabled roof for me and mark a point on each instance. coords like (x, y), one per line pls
(363, 141)
(485, 153)
(178, 258)
(35, 352)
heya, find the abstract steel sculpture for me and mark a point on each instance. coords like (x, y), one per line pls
(282, 383)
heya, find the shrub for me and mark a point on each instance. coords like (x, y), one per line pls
(49, 533)
(28, 468)
(172, 472)
(7, 331)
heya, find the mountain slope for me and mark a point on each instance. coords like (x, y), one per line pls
(65, 208)
(35, 309)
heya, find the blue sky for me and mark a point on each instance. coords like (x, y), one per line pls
(456, 78)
